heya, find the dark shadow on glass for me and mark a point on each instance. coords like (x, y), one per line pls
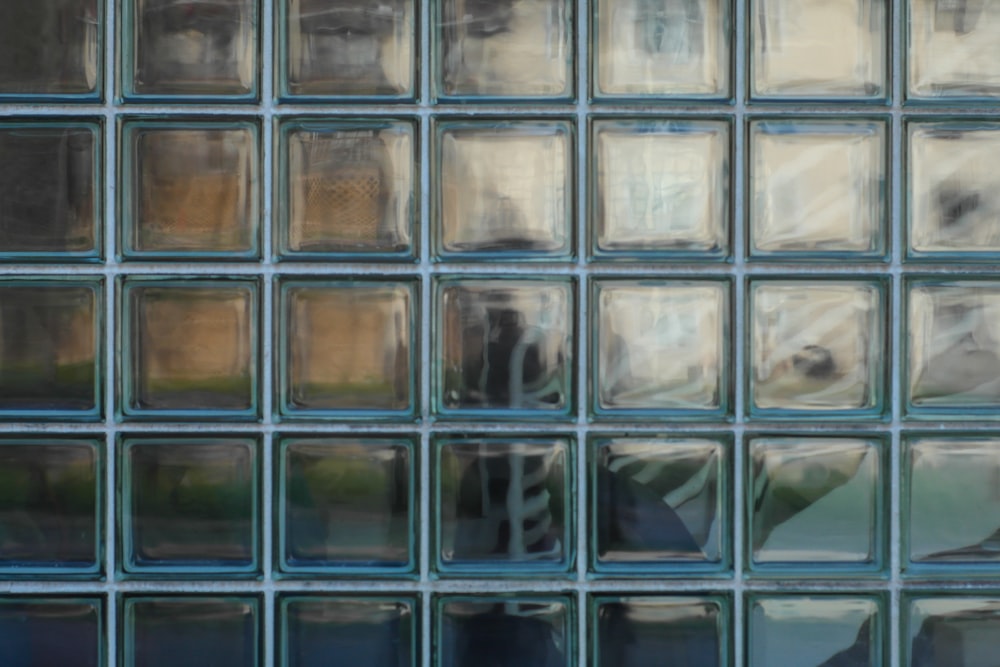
(348, 631)
(503, 634)
(640, 636)
(50, 633)
(953, 636)
(193, 633)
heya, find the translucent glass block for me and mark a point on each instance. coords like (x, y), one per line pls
(193, 190)
(504, 630)
(821, 630)
(662, 188)
(190, 506)
(505, 189)
(815, 503)
(660, 348)
(347, 349)
(942, 631)
(346, 504)
(953, 50)
(819, 48)
(50, 507)
(640, 631)
(658, 47)
(370, 631)
(817, 347)
(50, 48)
(504, 506)
(818, 187)
(504, 48)
(50, 632)
(195, 631)
(660, 504)
(204, 49)
(345, 48)
(953, 348)
(49, 182)
(505, 347)
(50, 349)
(193, 348)
(346, 187)
(953, 190)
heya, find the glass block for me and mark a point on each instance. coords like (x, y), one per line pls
(50, 507)
(815, 504)
(50, 349)
(953, 50)
(653, 47)
(818, 187)
(347, 349)
(824, 630)
(819, 48)
(347, 48)
(641, 631)
(660, 504)
(473, 631)
(817, 347)
(662, 188)
(49, 185)
(189, 506)
(51, 632)
(371, 631)
(953, 191)
(180, 48)
(943, 631)
(346, 504)
(505, 347)
(953, 348)
(504, 48)
(504, 505)
(194, 631)
(50, 48)
(193, 348)
(505, 189)
(661, 348)
(346, 187)
(193, 190)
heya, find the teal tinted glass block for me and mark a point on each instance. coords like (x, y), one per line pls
(347, 349)
(503, 506)
(189, 506)
(504, 347)
(191, 348)
(371, 631)
(50, 507)
(195, 631)
(192, 192)
(51, 337)
(944, 630)
(823, 630)
(646, 630)
(476, 630)
(816, 505)
(952, 51)
(504, 189)
(52, 631)
(346, 189)
(817, 347)
(346, 505)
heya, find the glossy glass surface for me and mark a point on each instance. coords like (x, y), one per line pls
(51, 632)
(505, 347)
(660, 187)
(816, 346)
(659, 504)
(944, 631)
(818, 187)
(346, 503)
(953, 50)
(346, 187)
(505, 189)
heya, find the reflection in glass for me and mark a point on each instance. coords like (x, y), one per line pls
(478, 631)
(953, 49)
(953, 632)
(51, 632)
(643, 631)
(820, 631)
(346, 503)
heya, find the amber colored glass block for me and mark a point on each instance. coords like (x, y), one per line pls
(953, 49)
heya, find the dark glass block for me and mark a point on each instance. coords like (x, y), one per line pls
(370, 631)
(193, 631)
(51, 632)
(189, 505)
(49, 508)
(346, 503)
(951, 631)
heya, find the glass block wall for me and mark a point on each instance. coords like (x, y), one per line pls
(481, 333)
